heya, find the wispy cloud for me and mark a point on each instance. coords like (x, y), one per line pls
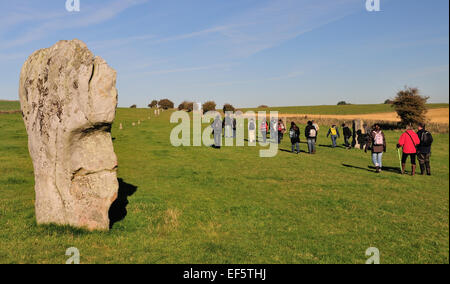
(44, 25)
(188, 69)
(12, 56)
(119, 41)
(290, 75)
(429, 71)
(279, 21)
(262, 28)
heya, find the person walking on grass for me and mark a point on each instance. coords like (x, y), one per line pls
(234, 127)
(408, 142)
(251, 131)
(281, 130)
(228, 123)
(377, 143)
(347, 134)
(294, 134)
(263, 127)
(316, 126)
(334, 131)
(311, 135)
(217, 131)
(424, 149)
(273, 128)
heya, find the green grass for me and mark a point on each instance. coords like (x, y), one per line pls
(202, 205)
(9, 105)
(340, 110)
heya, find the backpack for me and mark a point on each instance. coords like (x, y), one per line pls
(217, 124)
(292, 133)
(378, 140)
(312, 132)
(333, 131)
(426, 139)
(251, 126)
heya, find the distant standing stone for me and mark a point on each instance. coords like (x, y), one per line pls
(68, 99)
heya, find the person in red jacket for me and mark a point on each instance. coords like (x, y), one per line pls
(409, 141)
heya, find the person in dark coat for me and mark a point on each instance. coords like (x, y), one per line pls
(347, 134)
(294, 134)
(217, 131)
(311, 135)
(424, 149)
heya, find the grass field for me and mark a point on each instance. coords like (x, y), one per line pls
(203, 205)
(9, 105)
(340, 110)
(326, 109)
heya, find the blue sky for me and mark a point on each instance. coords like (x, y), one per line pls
(243, 52)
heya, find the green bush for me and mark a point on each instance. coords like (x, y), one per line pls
(209, 106)
(410, 106)
(153, 104)
(187, 106)
(228, 107)
(165, 104)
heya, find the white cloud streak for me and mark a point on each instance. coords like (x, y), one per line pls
(53, 22)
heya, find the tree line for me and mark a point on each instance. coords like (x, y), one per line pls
(409, 104)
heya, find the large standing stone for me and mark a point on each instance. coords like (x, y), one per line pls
(68, 99)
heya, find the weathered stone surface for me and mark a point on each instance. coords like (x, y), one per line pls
(68, 100)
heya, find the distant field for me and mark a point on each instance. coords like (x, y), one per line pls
(9, 105)
(340, 110)
(331, 109)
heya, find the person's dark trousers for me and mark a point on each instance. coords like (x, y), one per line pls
(346, 143)
(424, 162)
(413, 162)
(280, 136)
(296, 146)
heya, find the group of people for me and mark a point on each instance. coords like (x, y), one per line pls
(311, 131)
(275, 128)
(415, 145)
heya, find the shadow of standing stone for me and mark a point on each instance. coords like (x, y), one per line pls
(118, 210)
